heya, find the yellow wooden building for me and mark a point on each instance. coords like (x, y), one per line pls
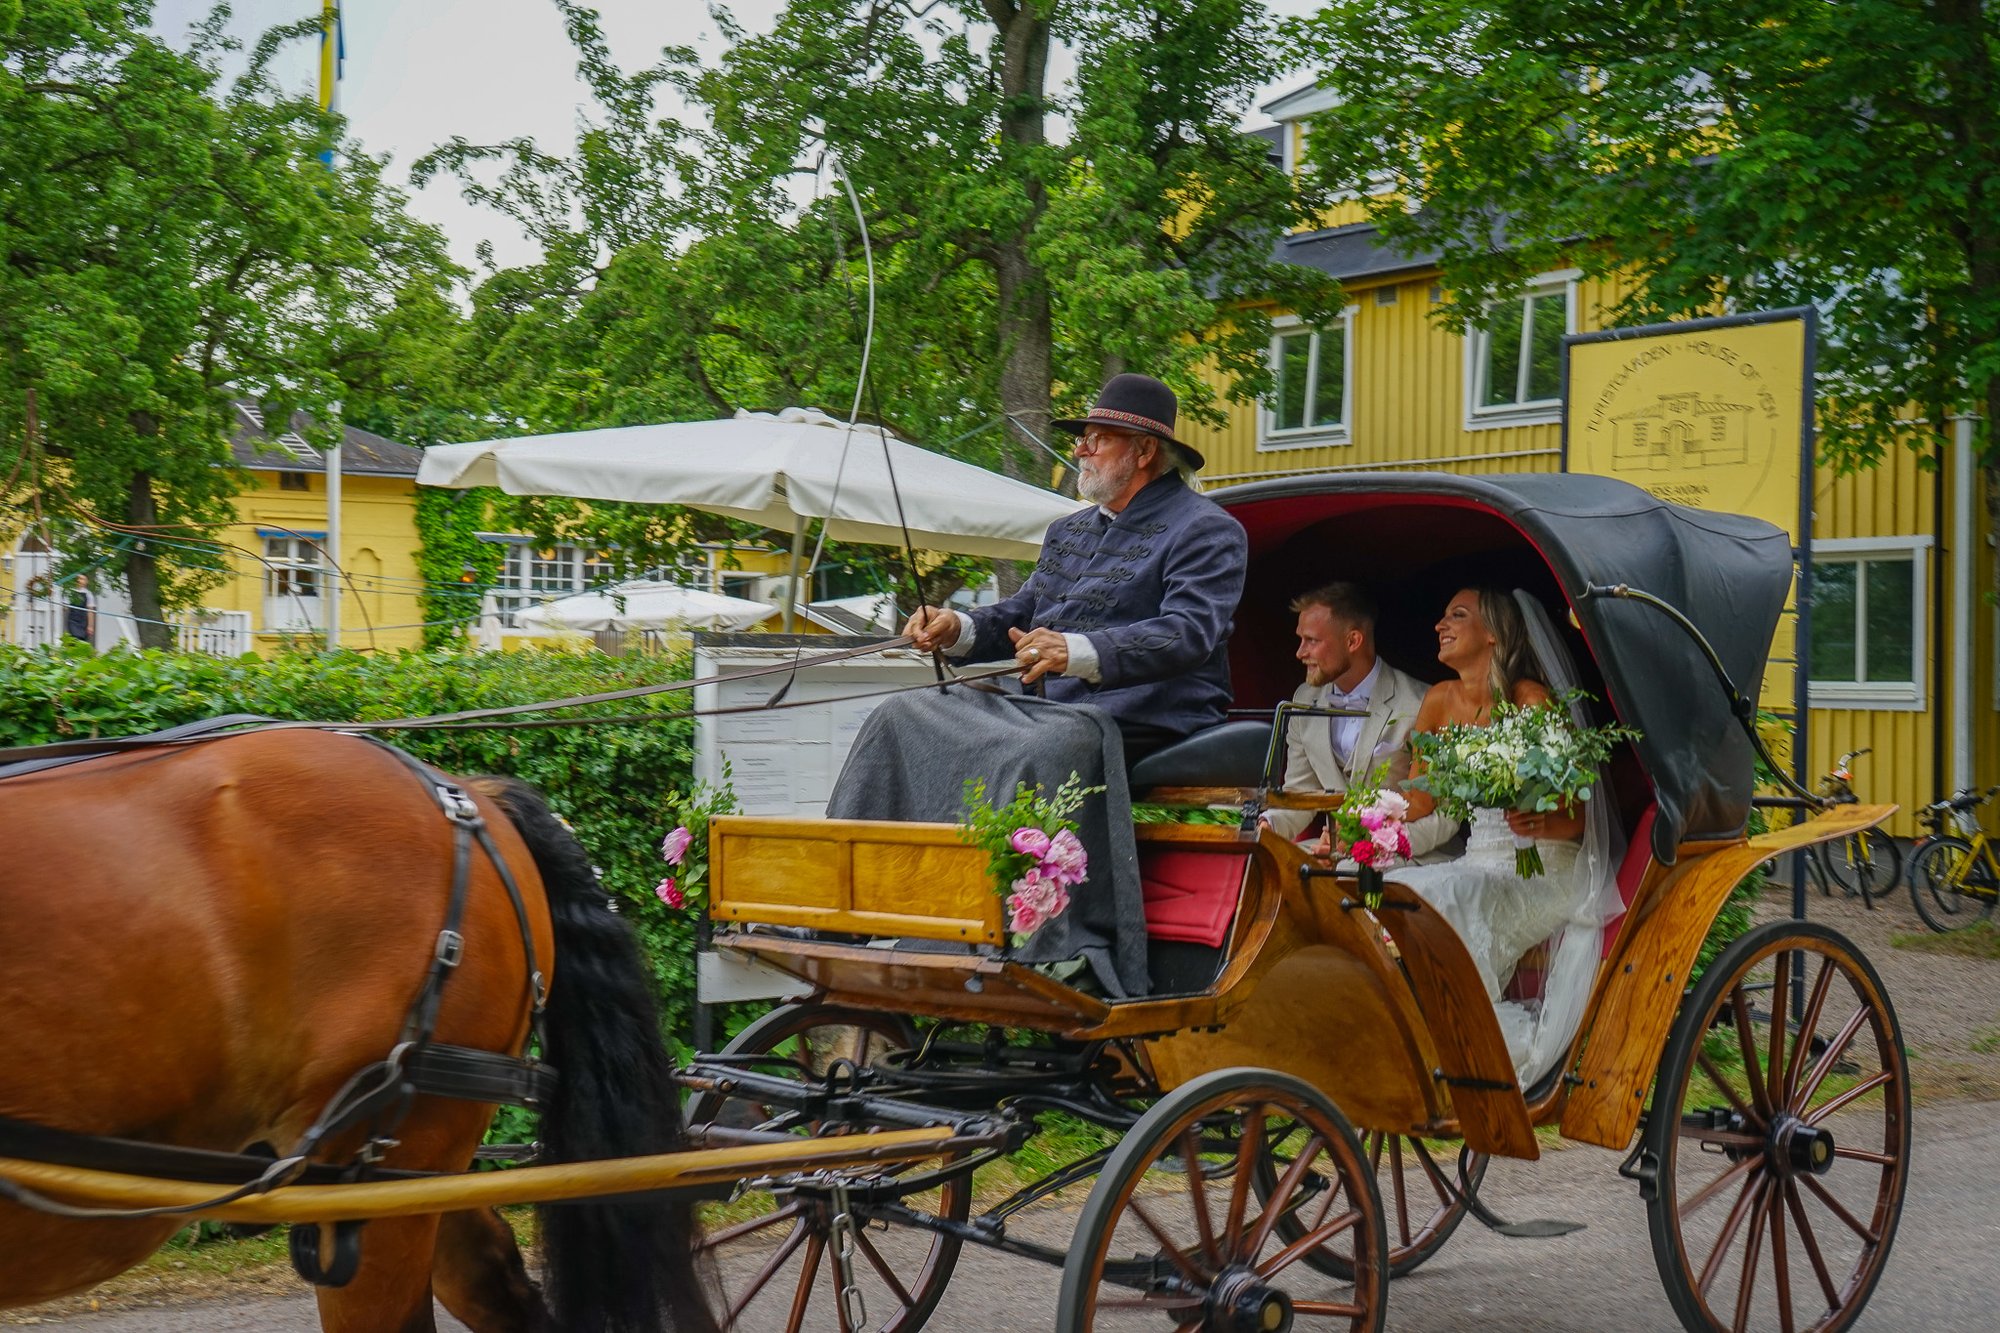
(281, 579)
(1903, 627)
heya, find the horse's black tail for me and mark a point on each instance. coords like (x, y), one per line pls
(608, 1267)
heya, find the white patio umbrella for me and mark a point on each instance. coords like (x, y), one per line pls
(646, 606)
(777, 470)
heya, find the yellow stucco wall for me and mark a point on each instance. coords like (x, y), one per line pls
(379, 610)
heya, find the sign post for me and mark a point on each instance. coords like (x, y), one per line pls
(1712, 414)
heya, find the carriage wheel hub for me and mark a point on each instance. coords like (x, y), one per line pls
(1239, 1302)
(1799, 1148)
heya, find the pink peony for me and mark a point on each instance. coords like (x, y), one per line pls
(1066, 861)
(1389, 840)
(1024, 917)
(1363, 851)
(675, 845)
(1392, 804)
(1372, 818)
(1029, 842)
(670, 893)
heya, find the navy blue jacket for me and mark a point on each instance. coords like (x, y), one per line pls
(1154, 589)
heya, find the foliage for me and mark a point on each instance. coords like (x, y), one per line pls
(1033, 855)
(1526, 758)
(1715, 154)
(171, 243)
(456, 565)
(682, 277)
(620, 786)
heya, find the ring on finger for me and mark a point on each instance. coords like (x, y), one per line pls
(1034, 653)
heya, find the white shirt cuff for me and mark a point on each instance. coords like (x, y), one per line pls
(962, 645)
(1083, 663)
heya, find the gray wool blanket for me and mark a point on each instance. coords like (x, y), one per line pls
(911, 761)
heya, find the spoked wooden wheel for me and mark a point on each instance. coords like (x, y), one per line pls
(773, 1256)
(1780, 1150)
(1174, 1235)
(1422, 1198)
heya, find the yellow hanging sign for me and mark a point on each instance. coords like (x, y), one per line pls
(1710, 414)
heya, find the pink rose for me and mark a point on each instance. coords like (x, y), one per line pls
(1024, 917)
(1363, 851)
(675, 845)
(1066, 860)
(1029, 842)
(670, 894)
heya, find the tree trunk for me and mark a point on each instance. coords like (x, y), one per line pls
(142, 572)
(1026, 341)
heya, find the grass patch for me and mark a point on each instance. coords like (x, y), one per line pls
(1986, 1041)
(1980, 940)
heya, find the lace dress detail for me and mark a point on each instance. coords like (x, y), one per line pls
(1500, 917)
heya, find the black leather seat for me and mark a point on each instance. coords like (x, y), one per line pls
(1231, 755)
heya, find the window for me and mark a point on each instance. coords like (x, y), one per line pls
(1312, 387)
(294, 481)
(530, 575)
(1867, 623)
(293, 582)
(1514, 370)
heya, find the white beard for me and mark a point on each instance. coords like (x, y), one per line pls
(1101, 485)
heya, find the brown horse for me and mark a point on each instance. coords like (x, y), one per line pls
(200, 944)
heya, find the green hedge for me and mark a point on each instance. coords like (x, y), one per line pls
(621, 787)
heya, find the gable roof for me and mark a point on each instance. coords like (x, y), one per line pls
(254, 444)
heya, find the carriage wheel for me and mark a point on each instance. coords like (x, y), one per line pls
(1779, 1150)
(1423, 1198)
(1173, 1237)
(772, 1256)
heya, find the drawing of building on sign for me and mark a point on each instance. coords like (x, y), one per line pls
(1681, 430)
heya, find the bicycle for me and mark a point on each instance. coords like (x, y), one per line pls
(1867, 862)
(1954, 876)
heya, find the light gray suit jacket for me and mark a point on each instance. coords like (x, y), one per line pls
(1384, 740)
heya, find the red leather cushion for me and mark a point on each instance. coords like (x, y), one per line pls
(1638, 855)
(1190, 896)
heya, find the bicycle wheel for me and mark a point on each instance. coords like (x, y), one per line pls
(1866, 863)
(1951, 888)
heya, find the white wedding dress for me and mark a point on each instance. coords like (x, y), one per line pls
(1501, 916)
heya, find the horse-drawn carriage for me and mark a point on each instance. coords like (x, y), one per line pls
(1276, 1110)
(1301, 1107)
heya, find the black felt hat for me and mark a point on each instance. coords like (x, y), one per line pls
(1136, 402)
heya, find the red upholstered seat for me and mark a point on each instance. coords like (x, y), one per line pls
(1190, 896)
(1638, 855)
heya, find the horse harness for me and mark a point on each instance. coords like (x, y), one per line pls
(378, 1097)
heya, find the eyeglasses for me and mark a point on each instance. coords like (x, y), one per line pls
(1095, 439)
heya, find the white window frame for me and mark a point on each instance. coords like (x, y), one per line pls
(1269, 437)
(1884, 696)
(1535, 412)
(293, 612)
(515, 591)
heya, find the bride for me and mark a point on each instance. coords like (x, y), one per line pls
(1502, 646)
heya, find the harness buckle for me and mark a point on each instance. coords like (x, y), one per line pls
(457, 806)
(450, 948)
(540, 986)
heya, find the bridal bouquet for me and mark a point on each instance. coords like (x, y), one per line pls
(1531, 758)
(1034, 855)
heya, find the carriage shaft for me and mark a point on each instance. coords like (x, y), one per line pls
(486, 1189)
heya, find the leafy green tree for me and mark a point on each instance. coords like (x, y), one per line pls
(168, 242)
(1753, 154)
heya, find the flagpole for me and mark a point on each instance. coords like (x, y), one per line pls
(332, 53)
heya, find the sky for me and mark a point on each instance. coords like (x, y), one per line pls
(421, 71)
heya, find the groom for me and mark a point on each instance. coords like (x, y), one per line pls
(1336, 631)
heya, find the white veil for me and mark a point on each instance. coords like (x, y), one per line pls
(1539, 1031)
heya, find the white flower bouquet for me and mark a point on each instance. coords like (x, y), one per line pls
(1529, 759)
